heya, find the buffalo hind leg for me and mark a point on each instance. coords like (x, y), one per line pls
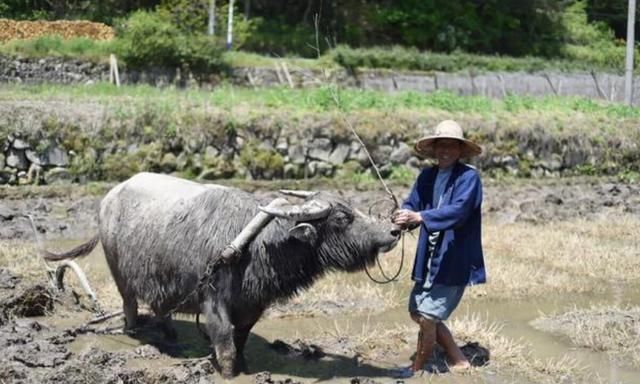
(129, 299)
(130, 309)
(221, 333)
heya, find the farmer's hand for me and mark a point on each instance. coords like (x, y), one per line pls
(405, 217)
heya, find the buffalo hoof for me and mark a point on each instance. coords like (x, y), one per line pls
(227, 373)
(241, 366)
(226, 368)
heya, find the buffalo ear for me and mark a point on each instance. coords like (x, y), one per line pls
(304, 232)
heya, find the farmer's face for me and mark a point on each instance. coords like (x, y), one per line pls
(447, 152)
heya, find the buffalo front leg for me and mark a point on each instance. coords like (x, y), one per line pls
(244, 321)
(240, 336)
(221, 333)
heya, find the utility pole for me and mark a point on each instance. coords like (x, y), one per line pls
(247, 9)
(212, 18)
(628, 81)
(230, 26)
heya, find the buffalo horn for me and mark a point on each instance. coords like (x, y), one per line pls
(297, 193)
(310, 210)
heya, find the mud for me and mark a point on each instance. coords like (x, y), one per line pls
(34, 352)
(37, 351)
(54, 217)
(534, 202)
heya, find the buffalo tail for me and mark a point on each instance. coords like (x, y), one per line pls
(79, 251)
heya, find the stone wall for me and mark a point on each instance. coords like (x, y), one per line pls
(239, 155)
(603, 86)
(44, 142)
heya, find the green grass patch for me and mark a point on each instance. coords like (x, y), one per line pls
(403, 58)
(320, 99)
(249, 59)
(55, 46)
(391, 58)
(599, 138)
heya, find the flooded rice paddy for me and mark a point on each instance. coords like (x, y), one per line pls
(546, 279)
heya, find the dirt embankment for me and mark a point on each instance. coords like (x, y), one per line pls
(535, 202)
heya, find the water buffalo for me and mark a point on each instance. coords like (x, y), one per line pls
(160, 232)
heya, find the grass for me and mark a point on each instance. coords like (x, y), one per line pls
(81, 48)
(380, 342)
(402, 58)
(508, 355)
(611, 329)
(250, 59)
(321, 100)
(372, 113)
(572, 256)
(521, 266)
(338, 293)
(394, 58)
(53, 191)
(21, 259)
(318, 100)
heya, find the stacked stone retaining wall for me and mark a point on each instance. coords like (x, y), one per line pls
(45, 142)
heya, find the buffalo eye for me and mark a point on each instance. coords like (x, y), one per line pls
(342, 219)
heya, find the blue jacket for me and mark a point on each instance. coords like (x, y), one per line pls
(458, 258)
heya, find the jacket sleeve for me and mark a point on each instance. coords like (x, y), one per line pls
(467, 196)
(413, 202)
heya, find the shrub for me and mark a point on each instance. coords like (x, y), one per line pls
(279, 38)
(150, 39)
(576, 57)
(202, 54)
(591, 42)
(191, 18)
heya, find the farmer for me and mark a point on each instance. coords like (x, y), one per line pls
(445, 202)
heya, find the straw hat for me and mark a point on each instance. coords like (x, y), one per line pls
(447, 129)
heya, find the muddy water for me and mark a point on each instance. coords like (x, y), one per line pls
(514, 315)
(516, 318)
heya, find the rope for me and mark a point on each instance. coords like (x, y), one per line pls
(334, 95)
(211, 269)
(387, 279)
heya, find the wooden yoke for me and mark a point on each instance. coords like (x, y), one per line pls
(261, 219)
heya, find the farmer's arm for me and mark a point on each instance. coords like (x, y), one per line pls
(408, 215)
